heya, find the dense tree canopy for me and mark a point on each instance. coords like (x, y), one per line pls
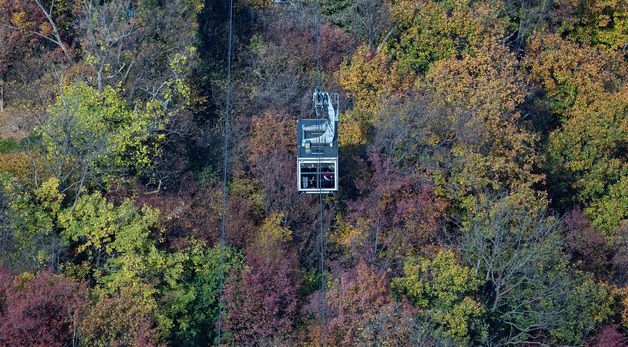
(483, 176)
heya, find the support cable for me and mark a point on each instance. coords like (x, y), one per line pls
(321, 233)
(321, 240)
(317, 40)
(225, 190)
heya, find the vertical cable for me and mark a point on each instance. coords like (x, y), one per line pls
(226, 134)
(321, 245)
(321, 234)
(317, 40)
(321, 250)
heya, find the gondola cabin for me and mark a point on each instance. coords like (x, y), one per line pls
(317, 142)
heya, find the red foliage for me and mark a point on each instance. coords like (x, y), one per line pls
(272, 161)
(186, 211)
(272, 132)
(271, 156)
(118, 321)
(298, 41)
(609, 336)
(357, 297)
(20, 19)
(262, 304)
(194, 210)
(362, 312)
(335, 45)
(277, 175)
(6, 280)
(242, 218)
(586, 245)
(400, 210)
(15, 39)
(43, 311)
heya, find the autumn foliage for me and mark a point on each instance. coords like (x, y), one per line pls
(483, 190)
(263, 301)
(40, 309)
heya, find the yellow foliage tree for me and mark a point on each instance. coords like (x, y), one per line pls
(429, 30)
(587, 90)
(491, 147)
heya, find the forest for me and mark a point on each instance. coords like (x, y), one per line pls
(483, 180)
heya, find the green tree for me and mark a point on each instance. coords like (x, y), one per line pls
(609, 214)
(122, 259)
(93, 136)
(529, 288)
(29, 239)
(100, 230)
(429, 31)
(189, 297)
(175, 291)
(597, 23)
(586, 89)
(443, 289)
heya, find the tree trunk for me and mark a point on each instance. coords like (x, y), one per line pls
(1, 98)
(55, 30)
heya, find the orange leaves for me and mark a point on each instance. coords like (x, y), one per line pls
(482, 93)
(587, 88)
(571, 73)
(490, 81)
(272, 236)
(17, 164)
(271, 132)
(355, 128)
(22, 15)
(45, 29)
(366, 78)
(18, 19)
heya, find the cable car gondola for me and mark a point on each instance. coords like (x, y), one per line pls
(317, 142)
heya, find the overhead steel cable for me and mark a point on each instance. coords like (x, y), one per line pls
(225, 190)
(317, 40)
(321, 240)
(321, 233)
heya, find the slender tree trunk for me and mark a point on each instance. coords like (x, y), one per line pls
(2, 82)
(55, 30)
(1, 96)
(100, 72)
